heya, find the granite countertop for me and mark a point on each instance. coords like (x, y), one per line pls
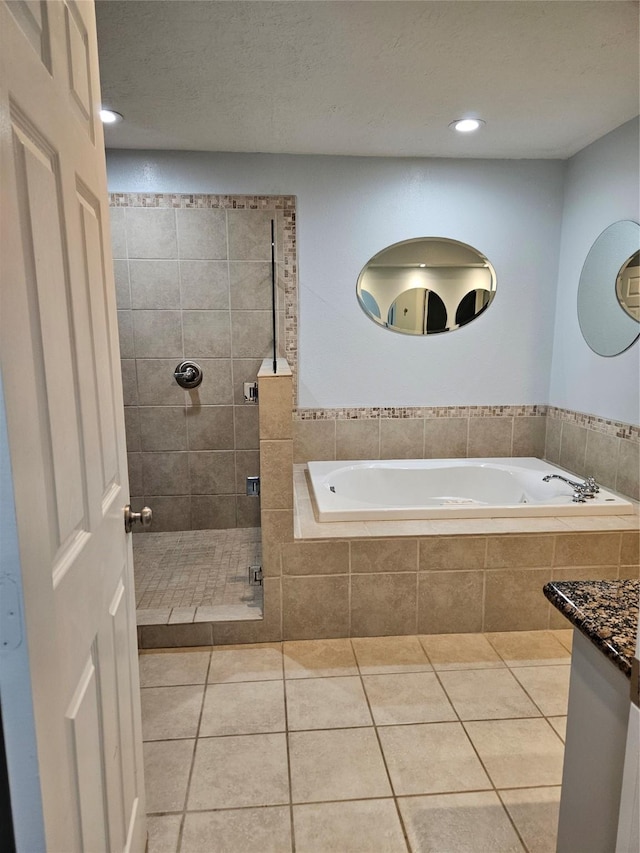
(604, 611)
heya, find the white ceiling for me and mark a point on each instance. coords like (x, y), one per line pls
(368, 78)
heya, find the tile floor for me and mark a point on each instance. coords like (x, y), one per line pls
(430, 744)
(196, 576)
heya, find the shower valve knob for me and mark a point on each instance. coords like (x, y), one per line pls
(188, 374)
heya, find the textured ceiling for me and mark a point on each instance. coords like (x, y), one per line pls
(368, 78)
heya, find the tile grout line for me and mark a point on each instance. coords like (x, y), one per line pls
(286, 737)
(379, 742)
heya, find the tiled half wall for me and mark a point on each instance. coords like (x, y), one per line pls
(193, 281)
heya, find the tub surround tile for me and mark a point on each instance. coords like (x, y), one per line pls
(391, 555)
(590, 549)
(315, 607)
(315, 558)
(401, 439)
(314, 440)
(490, 437)
(508, 552)
(357, 440)
(503, 587)
(628, 473)
(529, 436)
(276, 460)
(445, 438)
(383, 604)
(442, 552)
(450, 601)
(553, 435)
(573, 445)
(601, 458)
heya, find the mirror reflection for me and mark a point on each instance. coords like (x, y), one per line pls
(628, 287)
(426, 286)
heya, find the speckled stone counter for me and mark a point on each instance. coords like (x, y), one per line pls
(606, 612)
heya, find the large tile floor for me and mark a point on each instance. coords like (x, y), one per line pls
(431, 744)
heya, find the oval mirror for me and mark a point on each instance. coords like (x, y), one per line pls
(426, 286)
(609, 290)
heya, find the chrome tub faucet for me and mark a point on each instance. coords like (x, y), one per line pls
(581, 491)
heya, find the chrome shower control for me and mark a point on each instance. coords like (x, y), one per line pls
(188, 374)
(143, 518)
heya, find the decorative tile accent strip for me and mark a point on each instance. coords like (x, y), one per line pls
(375, 413)
(287, 266)
(617, 429)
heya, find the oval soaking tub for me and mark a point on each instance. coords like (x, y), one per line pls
(449, 488)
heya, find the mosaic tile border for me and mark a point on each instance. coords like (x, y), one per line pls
(288, 274)
(616, 429)
(408, 412)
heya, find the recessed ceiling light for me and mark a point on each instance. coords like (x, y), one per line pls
(110, 116)
(466, 125)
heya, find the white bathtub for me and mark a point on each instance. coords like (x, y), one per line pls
(449, 488)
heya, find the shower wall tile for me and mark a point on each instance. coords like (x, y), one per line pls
(212, 472)
(156, 385)
(249, 235)
(202, 234)
(125, 332)
(250, 285)
(118, 236)
(210, 426)
(121, 276)
(217, 386)
(252, 334)
(207, 334)
(628, 475)
(204, 284)
(134, 464)
(165, 473)
(180, 292)
(212, 512)
(157, 334)
(163, 428)
(154, 284)
(151, 233)
(129, 386)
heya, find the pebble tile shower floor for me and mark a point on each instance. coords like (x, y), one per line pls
(446, 743)
(195, 574)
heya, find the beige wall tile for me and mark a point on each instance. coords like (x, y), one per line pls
(157, 334)
(513, 551)
(445, 438)
(630, 550)
(514, 600)
(252, 334)
(154, 284)
(118, 238)
(529, 436)
(134, 466)
(202, 234)
(212, 512)
(587, 549)
(449, 602)
(358, 439)
(383, 604)
(315, 558)
(315, 607)
(129, 382)
(628, 476)
(165, 473)
(314, 440)
(384, 555)
(216, 388)
(490, 437)
(156, 385)
(276, 474)
(212, 472)
(247, 432)
(250, 284)
(585, 573)
(247, 465)
(277, 527)
(401, 438)
(125, 334)
(449, 552)
(630, 572)
(601, 458)
(151, 233)
(121, 279)
(470, 822)
(552, 440)
(275, 407)
(207, 334)
(170, 512)
(204, 284)
(573, 445)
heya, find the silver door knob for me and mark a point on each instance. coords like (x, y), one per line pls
(143, 518)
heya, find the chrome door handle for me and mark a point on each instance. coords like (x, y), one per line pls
(143, 518)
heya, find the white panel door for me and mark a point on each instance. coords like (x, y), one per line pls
(63, 395)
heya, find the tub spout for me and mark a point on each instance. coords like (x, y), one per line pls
(588, 489)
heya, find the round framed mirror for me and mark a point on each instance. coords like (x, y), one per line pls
(609, 290)
(426, 286)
